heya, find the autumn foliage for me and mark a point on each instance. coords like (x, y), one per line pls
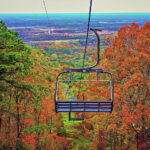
(27, 113)
(128, 58)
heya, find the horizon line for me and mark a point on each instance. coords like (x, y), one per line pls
(73, 13)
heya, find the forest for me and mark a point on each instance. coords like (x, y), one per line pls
(28, 120)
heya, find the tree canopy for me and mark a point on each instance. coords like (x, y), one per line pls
(27, 109)
(14, 55)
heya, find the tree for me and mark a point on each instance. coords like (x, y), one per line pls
(15, 59)
(15, 64)
(127, 57)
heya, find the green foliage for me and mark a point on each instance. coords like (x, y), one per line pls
(15, 63)
(14, 55)
(35, 129)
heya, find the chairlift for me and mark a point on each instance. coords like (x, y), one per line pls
(85, 105)
(75, 104)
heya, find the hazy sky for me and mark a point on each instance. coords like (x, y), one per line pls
(73, 6)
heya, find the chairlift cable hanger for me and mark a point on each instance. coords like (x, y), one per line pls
(87, 35)
(84, 106)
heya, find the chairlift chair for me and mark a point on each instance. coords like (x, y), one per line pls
(85, 105)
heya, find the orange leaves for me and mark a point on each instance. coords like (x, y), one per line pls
(94, 57)
(136, 80)
(130, 67)
(29, 139)
(112, 127)
(144, 57)
(28, 121)
(143, 110)
(128, 120)
(130, 117)
(58, 141)
(142, 107)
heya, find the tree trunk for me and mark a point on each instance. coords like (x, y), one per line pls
(121, 142)
(18, 121)
(0, 122)
(137, 141)
(18, 142)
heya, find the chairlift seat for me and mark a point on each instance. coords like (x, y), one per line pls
(84, 106)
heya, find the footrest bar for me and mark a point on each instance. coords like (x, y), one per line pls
(75, 119)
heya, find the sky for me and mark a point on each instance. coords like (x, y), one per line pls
(73, 6)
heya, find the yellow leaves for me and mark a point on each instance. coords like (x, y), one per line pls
(53, 56)
(90, 59)
(137, 76)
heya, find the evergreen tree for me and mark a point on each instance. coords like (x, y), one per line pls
(15, 59)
